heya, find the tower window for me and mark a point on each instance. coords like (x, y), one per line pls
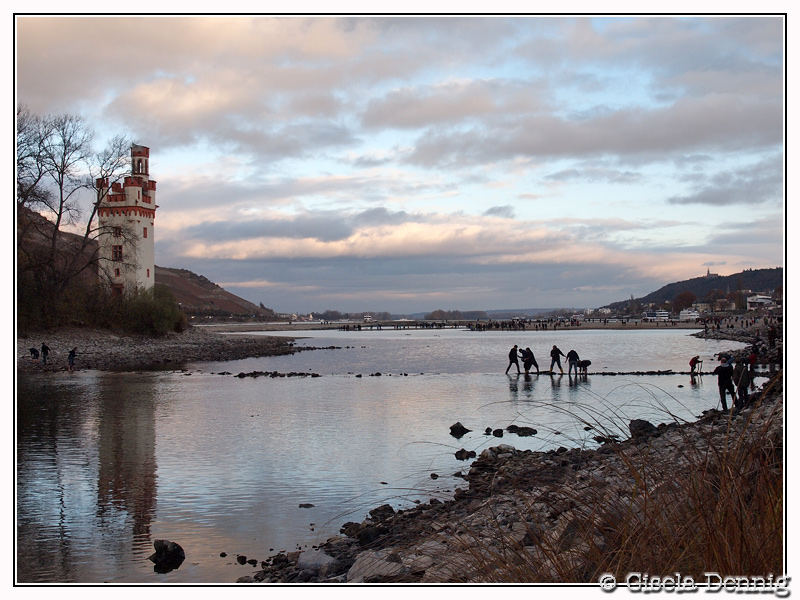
(144, 232)
(117, 231)
(116, 252)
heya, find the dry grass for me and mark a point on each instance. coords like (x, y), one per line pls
(715, 504)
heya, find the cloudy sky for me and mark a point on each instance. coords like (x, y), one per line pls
(406, 164)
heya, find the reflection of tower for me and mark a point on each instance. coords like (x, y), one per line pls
(126, 215)
(126, 445)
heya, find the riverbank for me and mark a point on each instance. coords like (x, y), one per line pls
(571, 515)
(104, 350)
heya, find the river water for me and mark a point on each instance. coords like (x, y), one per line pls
(109, 462)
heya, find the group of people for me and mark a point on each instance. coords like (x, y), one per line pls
(733, 379)
(44, 352)
(528, 360)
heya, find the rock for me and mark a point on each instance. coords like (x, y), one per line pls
(457, 430)
(640, 428)
(314, 560)
(373, 564)
(497, 433)
(368, 535)
(350, 529)
(465, 454)
(521, 431)
(167, 557)
(383, 512)
(305, 505)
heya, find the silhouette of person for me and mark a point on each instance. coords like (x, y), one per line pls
(555, 358)
(513, 359)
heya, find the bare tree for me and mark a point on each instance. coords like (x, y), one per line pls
(55, 166)
(66, 154)
(32, 132)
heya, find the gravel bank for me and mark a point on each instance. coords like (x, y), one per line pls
(103, 350)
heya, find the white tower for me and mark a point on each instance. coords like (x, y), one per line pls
(126, 215)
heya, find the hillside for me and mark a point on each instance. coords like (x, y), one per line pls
(755, 280)
(198, 295)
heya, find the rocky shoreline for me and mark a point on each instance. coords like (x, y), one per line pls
(520, 505)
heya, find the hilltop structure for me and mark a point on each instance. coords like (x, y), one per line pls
(126, 215)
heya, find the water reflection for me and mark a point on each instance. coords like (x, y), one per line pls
(107, 463)
(86, 474)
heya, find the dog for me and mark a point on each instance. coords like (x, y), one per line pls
(583, 365)
(34, 353)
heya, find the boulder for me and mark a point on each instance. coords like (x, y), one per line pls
(640, 428)
(457, 430)
(167, 557)
(369, 535)
(521, 431)
(465, 454)
(374, 564)
(314, 560)
(382, 513)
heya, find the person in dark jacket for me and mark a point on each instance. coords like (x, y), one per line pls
(513, 359)
(555, 358)
(724, 373)
(572, 360)
(741, 378)
(529, 360)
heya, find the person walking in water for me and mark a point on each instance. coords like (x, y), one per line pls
(71, 358)
(741, 379)
(724, 373)
(572, 360)
(555, 359)
(513, 359)
(528, 360)
(45, 352)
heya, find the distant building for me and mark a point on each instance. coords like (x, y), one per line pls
(126, 215)
(656, 315)
(758, 301)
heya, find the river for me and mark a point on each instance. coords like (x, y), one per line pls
(109, 462)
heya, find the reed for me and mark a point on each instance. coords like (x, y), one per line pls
(713, 504)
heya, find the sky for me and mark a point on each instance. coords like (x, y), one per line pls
(413, 163)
